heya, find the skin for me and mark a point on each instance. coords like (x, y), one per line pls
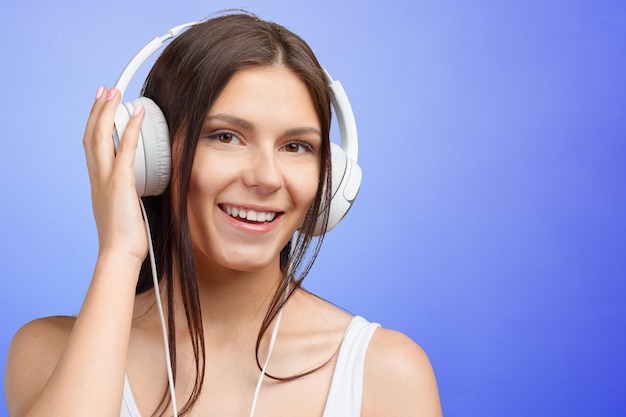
(259, 150)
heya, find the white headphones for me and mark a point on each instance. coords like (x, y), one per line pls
(153, 160)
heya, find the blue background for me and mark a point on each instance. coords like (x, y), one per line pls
(491, 223)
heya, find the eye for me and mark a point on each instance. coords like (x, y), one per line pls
(225, 137)
(298, 147)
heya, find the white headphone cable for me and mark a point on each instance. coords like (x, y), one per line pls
(157, 293)
(267, 361)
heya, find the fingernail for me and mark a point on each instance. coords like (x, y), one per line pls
(138, 109)
(111, 94)
(99, 92)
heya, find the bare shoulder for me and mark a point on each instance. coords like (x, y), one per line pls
(33, 354)
(398, 378)
(42, 336)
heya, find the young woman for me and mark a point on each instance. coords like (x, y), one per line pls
(248, 113)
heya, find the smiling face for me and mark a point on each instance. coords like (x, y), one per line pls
(255, 171)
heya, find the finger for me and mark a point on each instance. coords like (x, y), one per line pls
(99, 143)
(101, 94)
(128, 144)
(96, 109)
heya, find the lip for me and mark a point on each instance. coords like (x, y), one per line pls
(249, 226)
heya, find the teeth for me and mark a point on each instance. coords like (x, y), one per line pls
(251, 215)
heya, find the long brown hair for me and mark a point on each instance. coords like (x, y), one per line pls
(184, 82)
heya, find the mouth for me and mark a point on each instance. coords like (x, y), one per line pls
(248, 215)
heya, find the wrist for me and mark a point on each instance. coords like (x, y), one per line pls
(120, 263)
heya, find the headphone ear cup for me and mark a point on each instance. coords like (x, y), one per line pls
(153, 158)
(157, 148)
(345, 184)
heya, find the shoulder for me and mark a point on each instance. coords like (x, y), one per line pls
(398, 378)
(32, 356)
(41, 335)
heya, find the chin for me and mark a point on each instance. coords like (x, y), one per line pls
(237, 261)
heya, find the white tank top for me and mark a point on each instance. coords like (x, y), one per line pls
(346, 389)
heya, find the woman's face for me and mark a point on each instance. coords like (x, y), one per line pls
(255, 171)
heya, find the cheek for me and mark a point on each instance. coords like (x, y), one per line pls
(209, 172)
(201, 184)
(305, 186)
(197, 181)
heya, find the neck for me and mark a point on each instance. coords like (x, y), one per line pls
(234, 298)
(232, 302)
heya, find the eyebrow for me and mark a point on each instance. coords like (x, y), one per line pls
(231, 119)
(245, 124)
(303, 131)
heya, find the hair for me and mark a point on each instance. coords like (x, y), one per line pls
(184, 82)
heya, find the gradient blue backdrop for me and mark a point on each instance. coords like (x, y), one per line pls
(491, 222)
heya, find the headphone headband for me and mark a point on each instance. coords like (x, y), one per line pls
(140, 57)
(339, 98)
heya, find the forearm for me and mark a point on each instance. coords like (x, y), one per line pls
(89, 377)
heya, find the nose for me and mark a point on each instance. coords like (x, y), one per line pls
(263, 173)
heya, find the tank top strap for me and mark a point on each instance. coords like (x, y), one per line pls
(129, 407)
(346, 389)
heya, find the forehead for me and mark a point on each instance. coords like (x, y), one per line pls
(265, 93)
